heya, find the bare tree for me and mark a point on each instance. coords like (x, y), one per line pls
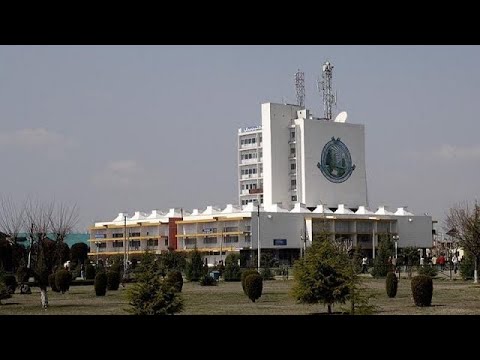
(38, 218)
(464, 221)
(11, 218)
(11, 223)
(62, 221)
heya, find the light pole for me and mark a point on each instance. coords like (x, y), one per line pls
(258, 234)
(124, 245)
(395, 238)
(97, 243)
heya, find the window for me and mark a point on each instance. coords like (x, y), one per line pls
(102, 245)
(191, 241)
(292, 135)
(152, 242)
(210, 240)
(253, 141)
(292, 150)
(134, 234)
(166, 242)
(231, 239)
(293, 166)
(294, 197)
(118, 244)
(134, 244)
(117, 235)
(293, 182)
(279, 242)
(248, 238)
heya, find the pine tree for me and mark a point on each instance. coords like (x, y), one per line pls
(194, 269)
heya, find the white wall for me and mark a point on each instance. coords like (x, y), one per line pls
(276, 119)
(414, 231)
(277, 226)
(317, 189)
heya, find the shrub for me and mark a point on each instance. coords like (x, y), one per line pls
(194, 268)
(10, 283)
(113, 280)
(100, 284)
(244, 275)
(391, 284)
(254, 286)
(422, 290)
(467, 266)
(23, 274)
(232, 272)
(63, 279)
(51, 282)
(207, 280)
(175, 279)
(3, 292)
(267, 274)
(151, 295)
(116, 267)
(90, 272)
(427, 271)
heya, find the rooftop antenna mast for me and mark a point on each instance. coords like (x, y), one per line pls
(300, 87)
(326, 88)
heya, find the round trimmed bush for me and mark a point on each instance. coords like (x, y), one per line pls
(422, 290)
(51, 282)
(90, 272)
(100, 284)
(63, 278)
(245, 273)
(23, 274)
(113, 280)
(207, 280)
(391, 284)
(10, 283)
(254, 286)
(175, 279)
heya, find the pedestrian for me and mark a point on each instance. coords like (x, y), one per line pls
(364, 265)
(455, 263)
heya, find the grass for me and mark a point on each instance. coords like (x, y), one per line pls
(449, 297)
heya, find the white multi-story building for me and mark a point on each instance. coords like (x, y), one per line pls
(294, 157)
(250, 167)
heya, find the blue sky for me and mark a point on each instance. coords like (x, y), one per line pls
(125, 128)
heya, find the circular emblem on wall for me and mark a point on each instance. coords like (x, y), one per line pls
(336, 162)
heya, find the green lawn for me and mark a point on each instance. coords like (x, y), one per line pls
(449, 297)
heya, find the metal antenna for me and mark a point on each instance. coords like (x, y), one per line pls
(326, 87)
(300, 87)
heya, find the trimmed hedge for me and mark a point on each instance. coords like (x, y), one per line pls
(113, 280)
(422, 290)
(245, 273)
(63, 278)
(254, 286)
(175, 279)
(10, 283)
(207, 280)
(90, 272)
(23, 274)
(100, 284)
(52, 283)
(391, 284)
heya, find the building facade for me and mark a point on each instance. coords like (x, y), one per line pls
(250, 165)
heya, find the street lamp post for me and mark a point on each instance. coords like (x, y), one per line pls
(258, 235)
(395, 238)
(97, 243)
(124, 245)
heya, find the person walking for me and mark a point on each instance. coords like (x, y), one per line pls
(364, 265)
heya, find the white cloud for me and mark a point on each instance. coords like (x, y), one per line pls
(120, 174)
(33, 139)
(448, 152)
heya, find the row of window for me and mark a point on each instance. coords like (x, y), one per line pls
(248, 186)
(248, 156)
(249, 141)
(248, 201)
(248, 171)
(229, 239)
(132, 243)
